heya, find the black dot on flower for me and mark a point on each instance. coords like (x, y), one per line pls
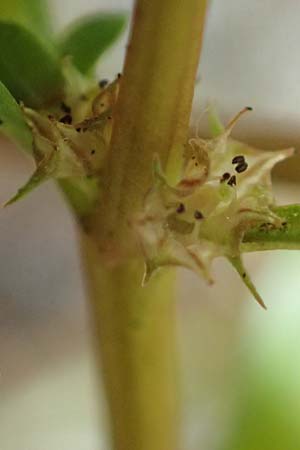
(241, 167)
(198, 215)
(232, 181)
(93, 152)
(181, 208)
(225, 177)
(244, 275)
(238, 159)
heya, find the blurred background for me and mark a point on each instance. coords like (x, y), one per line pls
(240, 365)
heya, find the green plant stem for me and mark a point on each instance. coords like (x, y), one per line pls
(285, 238)
(153, 110)
(136, 345)
(135, 325)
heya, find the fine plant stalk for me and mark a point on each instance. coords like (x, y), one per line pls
(134, 324)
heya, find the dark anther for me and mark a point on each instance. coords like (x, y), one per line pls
(181, 208)
(103, 83)
(249, 108)
(241, 167)
(244, 275)
(93, 152)
(65, 108)
(225, 177)
(119, 75)
(198, 215)
(78, 129)
(232, 181)
(238, 159)
(67, 119)
(109, 117)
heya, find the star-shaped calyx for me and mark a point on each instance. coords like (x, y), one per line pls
(71, 141)
(225, 189)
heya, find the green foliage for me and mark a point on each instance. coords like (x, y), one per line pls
(32, 14)
(12, 121)
(28, 69)
(87, 39)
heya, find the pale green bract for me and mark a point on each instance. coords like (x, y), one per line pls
(207, 213)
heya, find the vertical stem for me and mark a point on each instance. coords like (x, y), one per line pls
(136, 340)
(154, 105)
(135, 325)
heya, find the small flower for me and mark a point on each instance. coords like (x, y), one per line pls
(225, 189)
(72, 140)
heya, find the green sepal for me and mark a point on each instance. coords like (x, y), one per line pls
(237, 263)
(39, 176)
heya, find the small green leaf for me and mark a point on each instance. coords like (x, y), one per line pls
(12, 121)
(86, 39)
(28, 69)
(32, 14)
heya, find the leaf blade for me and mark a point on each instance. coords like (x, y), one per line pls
(12, 120)
(33, 14)
(28, 69)
(86, 39)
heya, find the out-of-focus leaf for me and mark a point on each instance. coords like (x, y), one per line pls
(33, 14)
(88, 38)
(28, 69)
(12, 122)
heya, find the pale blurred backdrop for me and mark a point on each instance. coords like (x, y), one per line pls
(240, 364)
